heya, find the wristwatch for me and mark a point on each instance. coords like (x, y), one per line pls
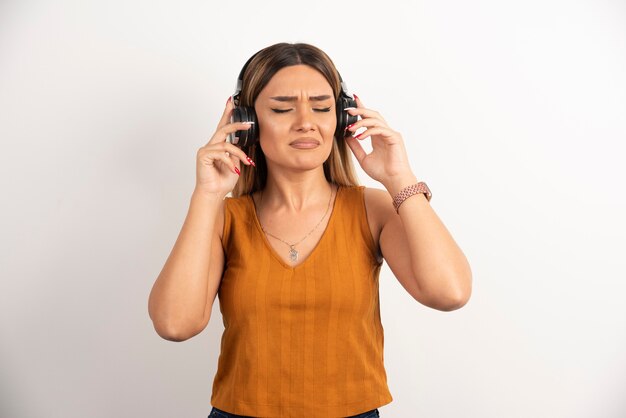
(409, 191)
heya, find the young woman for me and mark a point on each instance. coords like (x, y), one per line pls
(295, 253)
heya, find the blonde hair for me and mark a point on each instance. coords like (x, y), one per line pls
(338, 168)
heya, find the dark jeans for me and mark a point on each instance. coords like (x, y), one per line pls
(218, 413)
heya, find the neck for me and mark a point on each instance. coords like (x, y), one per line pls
(296, 191)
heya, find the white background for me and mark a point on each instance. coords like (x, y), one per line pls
(514, 113)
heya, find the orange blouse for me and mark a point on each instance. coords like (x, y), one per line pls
(304, 341)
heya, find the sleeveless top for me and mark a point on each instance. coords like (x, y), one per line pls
(304, 341)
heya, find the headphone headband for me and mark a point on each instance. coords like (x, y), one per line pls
(241, 73)
(239, 85)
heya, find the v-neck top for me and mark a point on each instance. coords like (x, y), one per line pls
(304, 341)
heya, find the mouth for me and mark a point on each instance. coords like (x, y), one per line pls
(305, 143)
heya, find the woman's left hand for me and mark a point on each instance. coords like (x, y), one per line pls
(388, 162)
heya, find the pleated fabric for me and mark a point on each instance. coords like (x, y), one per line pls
(304, 341)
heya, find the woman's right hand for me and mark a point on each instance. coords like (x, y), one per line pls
(217, 163)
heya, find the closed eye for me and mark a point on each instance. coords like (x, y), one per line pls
(326, 109)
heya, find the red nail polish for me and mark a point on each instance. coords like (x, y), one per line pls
(350, 126)
(250, 161)
(355, 96)
(237, 171)
(229, 99)
(358, 136)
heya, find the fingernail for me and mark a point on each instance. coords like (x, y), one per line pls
(229, 99)
(250, 161)
(358, 136)
(248, 122)
(355, 96)
(237, 171)
(350, 126)
(349, 108)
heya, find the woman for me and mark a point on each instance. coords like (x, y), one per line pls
(295, 253)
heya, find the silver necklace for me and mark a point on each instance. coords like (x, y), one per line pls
(293, 253)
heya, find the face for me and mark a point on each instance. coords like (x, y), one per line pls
(297, 119)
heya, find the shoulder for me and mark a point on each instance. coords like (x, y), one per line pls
(377, 202)
(232, 207)
(377, 196)
(379, 206)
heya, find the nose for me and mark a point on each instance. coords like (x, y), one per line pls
(304, 119)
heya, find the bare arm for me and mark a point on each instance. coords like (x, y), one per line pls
(182, 297)
(417, 246)
(420, 250)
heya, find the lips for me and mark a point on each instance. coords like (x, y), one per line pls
(305, 142)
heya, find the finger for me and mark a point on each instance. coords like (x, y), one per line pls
(369, 112)
(367, 123)
(227, 111)
(236, 153)
(358, 101)
(214, 158)
(234, 127)
(229, 150)
(221, 134)
(356, 148)
(365, 113)
(382, 131)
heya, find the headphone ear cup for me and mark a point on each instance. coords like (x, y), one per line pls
(246, 137)
(344, 119)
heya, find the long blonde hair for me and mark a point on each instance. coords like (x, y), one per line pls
(338, 168)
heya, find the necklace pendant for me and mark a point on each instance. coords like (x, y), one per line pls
(293, 254)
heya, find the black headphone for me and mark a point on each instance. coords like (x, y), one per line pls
(246, 138)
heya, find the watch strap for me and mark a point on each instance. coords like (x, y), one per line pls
(409, 191)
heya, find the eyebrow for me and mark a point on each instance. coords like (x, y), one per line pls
(294, 98)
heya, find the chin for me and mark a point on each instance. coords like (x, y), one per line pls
(303, 163)
(300, 159)
(311, 158)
